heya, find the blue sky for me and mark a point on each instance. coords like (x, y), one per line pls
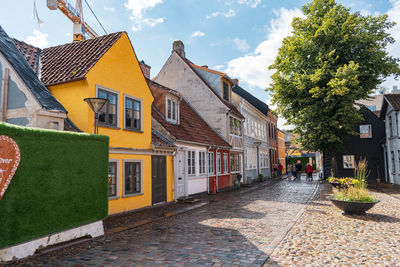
(240, 37)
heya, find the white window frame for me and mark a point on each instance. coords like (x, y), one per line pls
(202, 159)
(212, 165)
(141, 112)
(225, 155)
(370, 127)
(118, 103)
(116, 179)
(219, 162)
(192, 161)
(177, 109)
(123, 177)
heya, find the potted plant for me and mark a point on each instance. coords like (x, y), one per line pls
(341, 183)
(260, 177)
(355, 199)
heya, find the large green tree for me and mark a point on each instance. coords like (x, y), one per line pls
(333, 58)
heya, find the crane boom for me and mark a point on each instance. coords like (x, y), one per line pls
(75, 15)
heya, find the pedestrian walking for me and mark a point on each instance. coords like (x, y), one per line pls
(280, 168)
(299, 167)
(293, 169)
(309, 170)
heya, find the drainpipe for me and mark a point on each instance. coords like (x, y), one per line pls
(207, 170)
(5, 95)
(216, 171)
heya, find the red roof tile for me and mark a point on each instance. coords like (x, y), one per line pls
(72, 61)
(191, 127)
(30, 52)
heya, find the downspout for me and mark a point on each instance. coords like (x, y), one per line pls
(5, 95)
(216, 173)
(208, 169)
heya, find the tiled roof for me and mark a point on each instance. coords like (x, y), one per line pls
(232, 108)
(72, 61)
(158, 140)
(191, 127)
(393, 99)
(11, 53)
(254, 101)
(30, 52)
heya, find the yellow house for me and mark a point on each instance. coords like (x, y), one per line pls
(107, 67)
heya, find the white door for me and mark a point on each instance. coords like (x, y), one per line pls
(180, 177)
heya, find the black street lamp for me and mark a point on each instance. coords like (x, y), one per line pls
(96, 104)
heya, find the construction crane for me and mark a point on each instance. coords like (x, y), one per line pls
(75, 14)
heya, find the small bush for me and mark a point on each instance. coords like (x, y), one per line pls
(356, 194)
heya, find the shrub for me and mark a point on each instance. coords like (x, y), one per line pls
(357, 194)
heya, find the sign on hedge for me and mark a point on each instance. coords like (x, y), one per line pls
(9, 161)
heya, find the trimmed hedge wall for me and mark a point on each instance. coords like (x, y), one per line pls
(304, 161)
(61, 183)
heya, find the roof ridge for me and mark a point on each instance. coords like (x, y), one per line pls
(86, 40)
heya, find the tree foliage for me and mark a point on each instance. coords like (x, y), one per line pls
(333, 58)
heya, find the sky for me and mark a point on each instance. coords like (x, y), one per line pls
(238, 37)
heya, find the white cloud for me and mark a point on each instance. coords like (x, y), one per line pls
(241, 45)
(228, 14)
(110, 9)
(198, 34)
(38, 39)
(218, 67)
(138, 9)
(250, 3)
(253, 68)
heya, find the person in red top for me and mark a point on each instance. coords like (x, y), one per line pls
(280, 168)
(309, 170)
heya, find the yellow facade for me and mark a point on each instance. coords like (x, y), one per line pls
(281, 150)
(118, 70)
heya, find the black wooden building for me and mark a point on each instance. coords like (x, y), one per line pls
(366, 144)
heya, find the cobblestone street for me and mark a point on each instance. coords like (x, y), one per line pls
(324, 237)
(241, 230)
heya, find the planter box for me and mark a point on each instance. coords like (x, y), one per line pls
(352, 207)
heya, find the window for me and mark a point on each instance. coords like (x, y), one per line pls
(172, 110)
(390, 126)
(133, 114)
(397, 124)
(398, 156)
(225, 163)
(393, 167)
(365, 131)
(202, 162)
(112, 179)
(211, 162)
(372, 108)
(218, 162)
(348, 162)
(191, 162)
(235, 126)
(133, 177)
(108, 114)
(235, 162)
(226, 91)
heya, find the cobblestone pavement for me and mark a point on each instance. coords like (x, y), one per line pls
(324, 237)
(241, 230)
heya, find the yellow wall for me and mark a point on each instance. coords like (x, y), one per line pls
(281, 150)
(118, 69)
(170, 178)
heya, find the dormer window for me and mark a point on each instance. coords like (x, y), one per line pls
(172, 110)
(226, 93)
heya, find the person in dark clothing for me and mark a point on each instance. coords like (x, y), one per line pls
(298, 169)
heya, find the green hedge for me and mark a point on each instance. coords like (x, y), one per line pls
(304, 161)
(61, 183)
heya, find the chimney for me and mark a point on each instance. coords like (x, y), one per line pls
(205, 66)
(179, 48)
(145, 69)
(236, 81)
